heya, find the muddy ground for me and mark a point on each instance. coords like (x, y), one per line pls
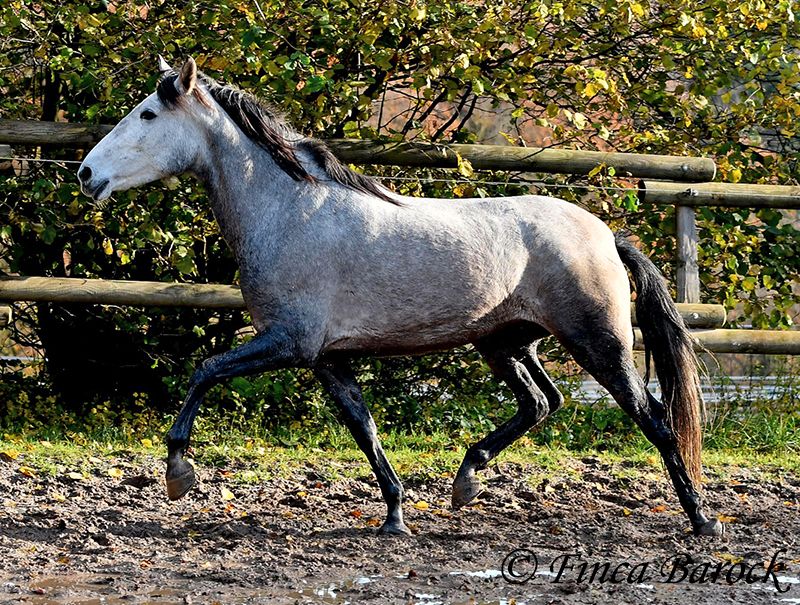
(105, 538)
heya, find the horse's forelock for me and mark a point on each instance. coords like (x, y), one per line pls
(169, 94)
(166, 90)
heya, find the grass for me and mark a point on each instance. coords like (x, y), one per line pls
(333, 455)
(763, 436)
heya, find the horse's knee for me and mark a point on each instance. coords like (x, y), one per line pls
(204, 373)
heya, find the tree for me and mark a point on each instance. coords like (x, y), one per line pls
(716, 78)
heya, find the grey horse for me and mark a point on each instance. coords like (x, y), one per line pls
(335, 266)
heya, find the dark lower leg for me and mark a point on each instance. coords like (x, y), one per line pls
(615, 370)
(648, 413)
(339, 381)
(536, 397)
(663, 438)
(266, 351)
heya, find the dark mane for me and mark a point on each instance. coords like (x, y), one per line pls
(267, 127)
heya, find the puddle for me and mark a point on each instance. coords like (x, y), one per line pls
(485, 574)
(85, 589)
(89, 589)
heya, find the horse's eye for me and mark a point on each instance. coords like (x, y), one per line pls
(147, 114)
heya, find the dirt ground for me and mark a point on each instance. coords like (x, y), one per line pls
(307, 539)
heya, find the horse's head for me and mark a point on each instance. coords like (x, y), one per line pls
(161, 137)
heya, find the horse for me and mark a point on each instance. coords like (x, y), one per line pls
(334, 266)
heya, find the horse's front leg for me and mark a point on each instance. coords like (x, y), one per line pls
(272, 349)
(340, 383)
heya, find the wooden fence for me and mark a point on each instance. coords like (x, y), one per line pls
(659, 173)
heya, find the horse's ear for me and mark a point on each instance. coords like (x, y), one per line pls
(163, 66)
(187, 79)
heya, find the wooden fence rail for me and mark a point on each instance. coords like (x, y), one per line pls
(719, 194)
(138, 293)
(422, 154)
(763, 342)
(213, 296)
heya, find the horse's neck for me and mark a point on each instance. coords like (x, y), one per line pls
(249, 193)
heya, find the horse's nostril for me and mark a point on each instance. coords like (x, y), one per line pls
(85, 174)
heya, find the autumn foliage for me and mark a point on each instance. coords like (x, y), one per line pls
(711, 78)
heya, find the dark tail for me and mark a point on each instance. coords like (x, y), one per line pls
(667, 339)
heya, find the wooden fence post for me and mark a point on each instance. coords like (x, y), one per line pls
(688, 283)
(5, 316)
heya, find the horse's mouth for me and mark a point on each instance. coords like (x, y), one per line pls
(101, 192)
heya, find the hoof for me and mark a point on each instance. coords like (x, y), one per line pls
(712, 528)
(465, 490)
(180, 479)
(394, 528)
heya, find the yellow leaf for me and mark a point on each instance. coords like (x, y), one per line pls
(735, 175)
(115, 472)
(590, 90)
(27, 471)
(725, 518)
(421, 505)
(596, 170)
(728, 557)
(218, 63)
(571, 71)
(108, 248)
(302, 494)
(147, 442)
(9, 455)
(373, 522)
(418, 13)
(465, 168)
(226, 494)
(59, 497)
(626, 512)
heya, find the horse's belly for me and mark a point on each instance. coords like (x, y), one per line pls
(413, 330)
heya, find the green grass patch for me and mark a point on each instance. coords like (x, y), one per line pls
(334, 456)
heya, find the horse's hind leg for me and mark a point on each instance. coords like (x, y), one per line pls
(536, 396)
(608, 358)
(340, 383)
